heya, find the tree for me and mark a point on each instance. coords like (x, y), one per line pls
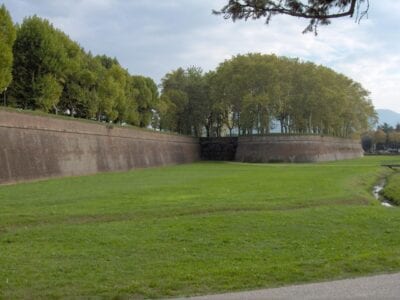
(7, 38)
(47, 91)
(171, 110)
(54, 73)
(256, 113)
(146, 98)
(186, 94)
(198, 105)
(385, 137)
(109, 90)
(380, 139)
(243, 76)
(38, 50)
(74, 77)
(319, 12)
(386, 127)
(132, 113)
(394, 139)
(254, 89)
(210, 112)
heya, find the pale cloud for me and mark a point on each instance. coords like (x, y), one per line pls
(380, 74)
(153, 39)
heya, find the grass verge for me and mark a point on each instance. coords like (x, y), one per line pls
(392, 189)
(195, 229)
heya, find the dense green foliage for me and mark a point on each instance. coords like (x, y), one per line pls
(246, 93)
(392, 189)
(7, 37)
(53, 73)
(195, 229)
(185, 102)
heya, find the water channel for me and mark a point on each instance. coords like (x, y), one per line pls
(376, 192)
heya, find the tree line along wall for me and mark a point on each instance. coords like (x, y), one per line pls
(34, 147)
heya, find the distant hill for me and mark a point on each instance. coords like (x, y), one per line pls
(388, 116)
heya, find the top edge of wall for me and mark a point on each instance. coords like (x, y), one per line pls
(27, 120)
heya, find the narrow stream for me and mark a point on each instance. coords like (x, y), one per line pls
(376, 192)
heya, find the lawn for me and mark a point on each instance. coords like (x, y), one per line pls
(195, 229)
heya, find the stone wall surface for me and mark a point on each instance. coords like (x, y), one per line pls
(34, 147)
(296, 149)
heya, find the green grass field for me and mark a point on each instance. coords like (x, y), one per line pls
(195, 229)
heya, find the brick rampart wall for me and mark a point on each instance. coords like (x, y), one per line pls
(34, 147)
(296, 149)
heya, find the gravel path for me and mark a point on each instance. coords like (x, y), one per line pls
(373, 287)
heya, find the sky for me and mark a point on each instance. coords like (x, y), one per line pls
(152, 38)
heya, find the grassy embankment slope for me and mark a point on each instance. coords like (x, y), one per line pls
(392, 188)
(195, 229)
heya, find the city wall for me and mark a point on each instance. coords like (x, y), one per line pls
(306, 148)
(34, 147)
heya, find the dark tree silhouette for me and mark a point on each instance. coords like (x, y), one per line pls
(319, 12)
